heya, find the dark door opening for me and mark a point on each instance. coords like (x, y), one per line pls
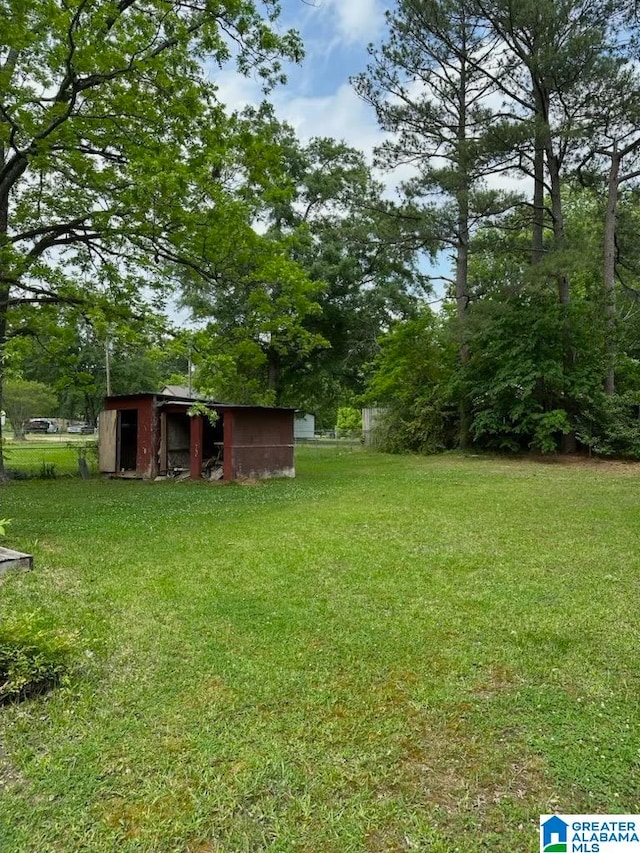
(127, 439)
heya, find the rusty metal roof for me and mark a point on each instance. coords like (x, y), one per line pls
(187, 402)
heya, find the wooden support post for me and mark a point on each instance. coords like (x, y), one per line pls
(227, 437)
(195, 448)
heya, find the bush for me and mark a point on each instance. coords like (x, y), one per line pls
(425, 425)
(34, 656)
(612, 426)
(47, 471)
(349, 422)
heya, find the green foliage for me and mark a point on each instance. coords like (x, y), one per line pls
(349, 421)
(411, 379)
(541, 322)
(4, 523)
(47, 471)
(69, 355)
(612, 426)
(336, 224)
(24, 399)
(259, 305)
(516, 376)
(202, 410)
(120, 167)
(241, 377)
(34, 655)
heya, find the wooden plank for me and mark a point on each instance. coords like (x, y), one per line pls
(14, 560)
(108, 422)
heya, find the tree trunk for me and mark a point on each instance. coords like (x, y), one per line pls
(537, 248)
(462, 301)
(4, 301)
(568, 442)
(609, 272)
(462, 245)
(274, 373)
(564, 295)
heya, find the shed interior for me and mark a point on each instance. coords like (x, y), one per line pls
(127, 444)
(176, 456)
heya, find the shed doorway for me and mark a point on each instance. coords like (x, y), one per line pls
(127, 444)
(176, 449)
(176, 437)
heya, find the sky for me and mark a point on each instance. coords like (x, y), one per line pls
(318, 99)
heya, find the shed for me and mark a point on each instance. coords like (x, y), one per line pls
(151, 435)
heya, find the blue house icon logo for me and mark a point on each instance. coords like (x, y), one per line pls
(554, 835)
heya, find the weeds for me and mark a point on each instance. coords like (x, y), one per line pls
(34, 656)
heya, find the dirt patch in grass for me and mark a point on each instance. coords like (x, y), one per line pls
(618, 466)
(467, 776)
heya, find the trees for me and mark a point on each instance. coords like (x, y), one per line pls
(254, 304)
(114, 151)
(412, 379)
(554, 57)
(557, 59)
(24, 399)
(556, 96)
(69, 356)
(611, 161)
(362, 254)
(430, 90)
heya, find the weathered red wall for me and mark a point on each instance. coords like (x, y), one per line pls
(261, 443)
(148, 430)
(146, 461)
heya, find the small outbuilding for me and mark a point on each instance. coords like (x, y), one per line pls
(152, 435)
(304, 426)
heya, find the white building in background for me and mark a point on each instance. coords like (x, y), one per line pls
(304, 426)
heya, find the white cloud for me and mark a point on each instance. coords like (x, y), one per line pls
(354, 21)
(341, 115)
(234, 90)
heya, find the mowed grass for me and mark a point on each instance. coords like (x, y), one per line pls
(385, 654)
(55, 456)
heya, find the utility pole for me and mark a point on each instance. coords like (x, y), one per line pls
(107, 346)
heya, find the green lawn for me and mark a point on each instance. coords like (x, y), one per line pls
(385, 654)
(56, 455)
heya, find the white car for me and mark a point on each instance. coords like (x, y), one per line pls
(80, 428)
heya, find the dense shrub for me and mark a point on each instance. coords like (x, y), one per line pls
(34, 656)
(412, 382)
(349, 422)
(612, 427)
